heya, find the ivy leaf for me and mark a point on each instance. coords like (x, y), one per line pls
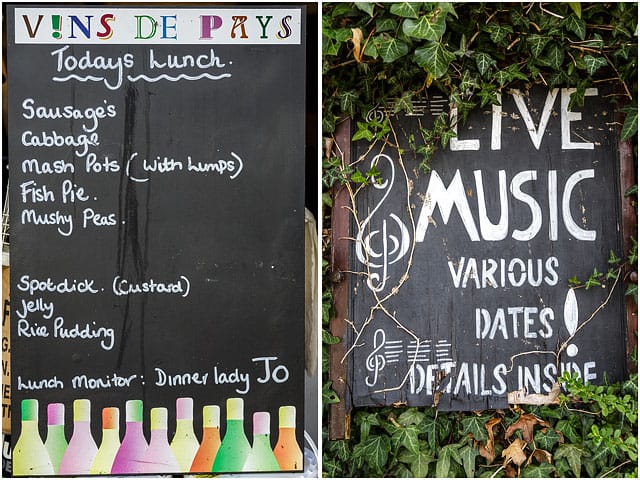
(475, 425)
(594, 63)
(328, 395)
(435, 58)
(613, 259)
(391, 49)
(366, 7)
(329, 339)
(341, 449)
(544, 470)
(537, 44)
(576, 7)
(630, 127)
(348, 102)
(573, 454)
(429, 427)
(484, 62)
(404, 103)
(385, 25)
(567, 428)
(546, 440)
(632, 290)
(555, 56)
(429, 27)
(374, 450)
(411, 416)
(406, 9)
(576, 25)
(446, 454)
(406, 437)
(363, 133)
(468, 455)
(498, 33)
(419, 462)
(332, 467)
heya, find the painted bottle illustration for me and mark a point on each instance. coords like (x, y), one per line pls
(287, 450)
(110, 442)
(56, 443)
(184, 444)
(261, 458)
(134, 445)
(203, 461)
(159, 457)
(235, 448)
(30, 456)
(82, 448)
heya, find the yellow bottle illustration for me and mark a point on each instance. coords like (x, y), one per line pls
(110, 442)
(287, 450)
(30, 457)
(184, 444)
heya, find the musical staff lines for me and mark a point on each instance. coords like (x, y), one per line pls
(388, 352)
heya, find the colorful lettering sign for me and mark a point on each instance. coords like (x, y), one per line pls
(157, 206)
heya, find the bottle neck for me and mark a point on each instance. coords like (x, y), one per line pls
(30, 427)
(81, 427)
(287, 434)
(184, 427)
(159, 436)
(235, 427)
(133, 429)
(262, 440)
(55, 430)
(110, 435)
(212, 433)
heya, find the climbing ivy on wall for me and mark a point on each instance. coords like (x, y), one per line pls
(389, 54)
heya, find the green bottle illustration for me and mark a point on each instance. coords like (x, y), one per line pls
(235, 448)
(261, 458)
(30, 456)
(56, 443)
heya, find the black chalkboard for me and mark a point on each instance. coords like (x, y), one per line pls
(157, 208)
(468, 299)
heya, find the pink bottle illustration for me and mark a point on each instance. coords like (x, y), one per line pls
(185, 443)
(82, 448)
(110, 442)
(134, 444)
(56, 443)
(159, 457)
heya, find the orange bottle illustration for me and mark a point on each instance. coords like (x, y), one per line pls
(203, 461)
(287, 450)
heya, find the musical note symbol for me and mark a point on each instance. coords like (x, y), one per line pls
(391, 248)
(375, 361)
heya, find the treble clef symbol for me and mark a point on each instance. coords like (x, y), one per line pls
(393, 247)
(375, 361)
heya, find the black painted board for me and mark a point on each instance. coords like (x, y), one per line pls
(229, 240)
(475, 299)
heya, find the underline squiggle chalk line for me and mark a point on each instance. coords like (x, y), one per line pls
(164, 76)
(77, 77)
(182, 76)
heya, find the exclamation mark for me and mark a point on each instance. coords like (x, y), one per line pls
(55, 21)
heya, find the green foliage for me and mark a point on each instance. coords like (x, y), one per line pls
(593, 432)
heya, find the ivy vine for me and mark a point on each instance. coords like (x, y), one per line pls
(389, 55)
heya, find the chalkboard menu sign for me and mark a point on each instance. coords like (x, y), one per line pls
(461, 297)
(157, 209)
